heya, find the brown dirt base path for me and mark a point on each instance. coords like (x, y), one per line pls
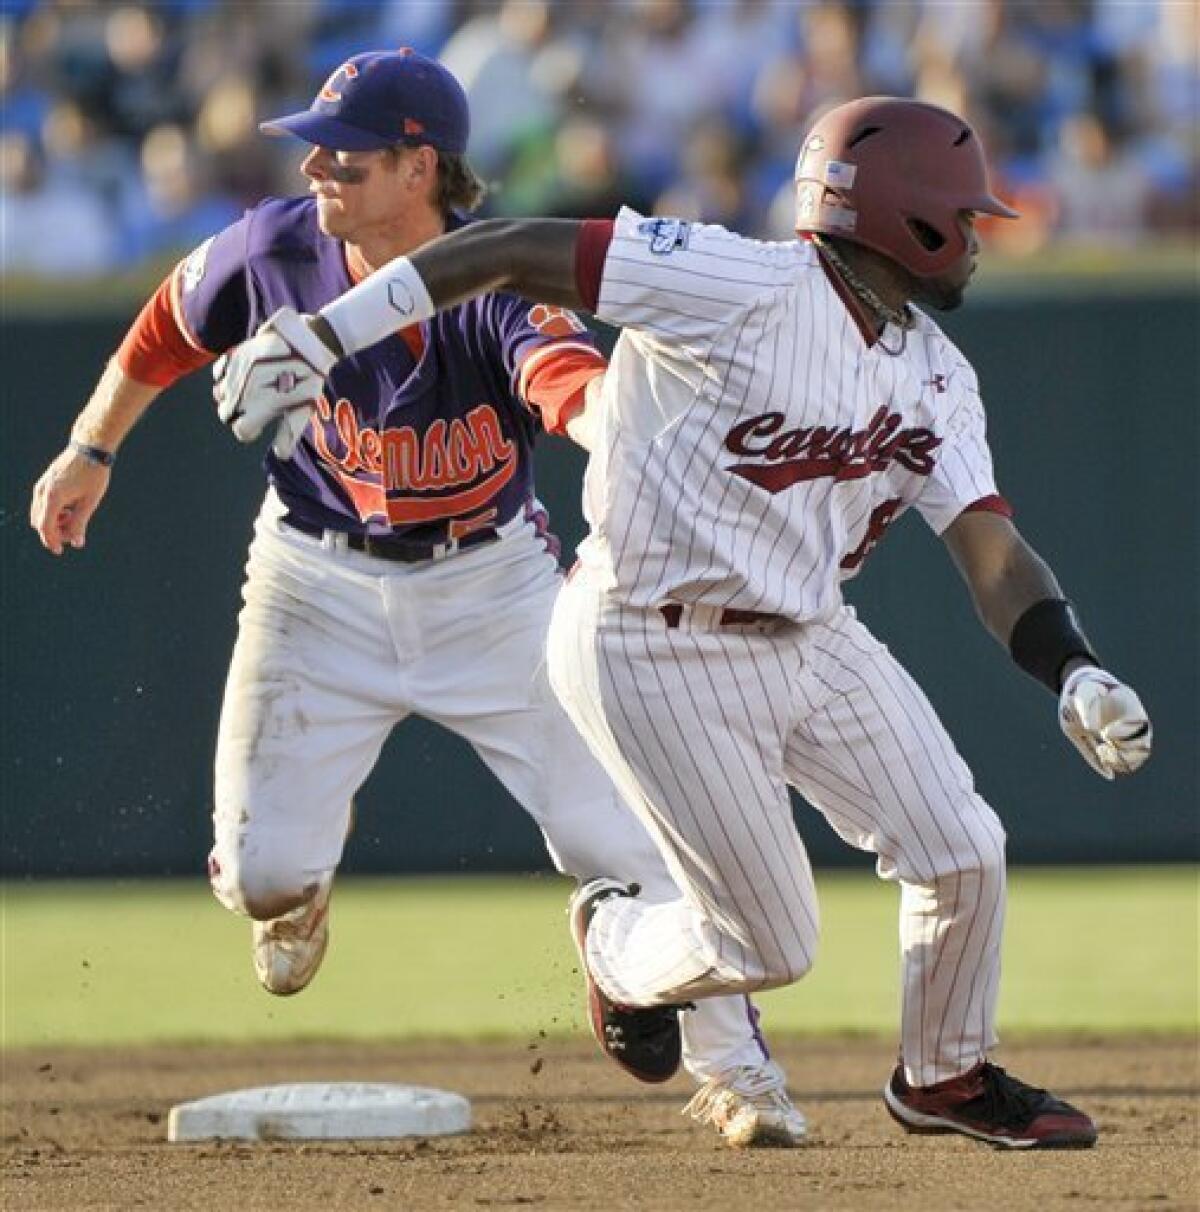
(557, 1127)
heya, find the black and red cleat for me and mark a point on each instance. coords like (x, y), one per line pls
(988, 1104)
(645, 1042)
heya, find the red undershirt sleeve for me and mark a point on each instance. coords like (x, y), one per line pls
(591, 248)
(991, 504)
(156, 350)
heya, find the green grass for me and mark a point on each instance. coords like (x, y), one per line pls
(1087, 950)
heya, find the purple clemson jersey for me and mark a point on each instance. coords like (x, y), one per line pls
(428, 447)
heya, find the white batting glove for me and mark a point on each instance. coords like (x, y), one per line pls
(277, 375)
(1105, 720)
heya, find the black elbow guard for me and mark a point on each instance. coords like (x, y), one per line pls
(1045, 638)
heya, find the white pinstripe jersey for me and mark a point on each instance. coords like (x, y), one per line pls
(753, 445)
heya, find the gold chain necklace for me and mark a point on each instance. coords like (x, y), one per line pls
(901, 317)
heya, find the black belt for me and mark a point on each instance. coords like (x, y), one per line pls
(404, 551)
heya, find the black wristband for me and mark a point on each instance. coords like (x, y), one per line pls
(1045, 638)
(94, 454)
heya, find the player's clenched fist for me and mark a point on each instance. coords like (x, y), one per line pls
(275, 376)
(1106, 722)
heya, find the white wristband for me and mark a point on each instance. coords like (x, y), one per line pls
(390, 299)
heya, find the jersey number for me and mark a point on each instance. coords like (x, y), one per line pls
(882, 516)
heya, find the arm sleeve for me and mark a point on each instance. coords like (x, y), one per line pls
(155, 349)
(684, 282)
(201, 309)
(962, 478)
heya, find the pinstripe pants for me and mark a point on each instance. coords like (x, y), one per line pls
(703, 727)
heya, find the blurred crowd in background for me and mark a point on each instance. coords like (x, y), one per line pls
(129, 131)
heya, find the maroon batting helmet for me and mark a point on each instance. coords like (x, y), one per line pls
(894, 175)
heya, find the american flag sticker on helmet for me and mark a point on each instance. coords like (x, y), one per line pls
(840, 175)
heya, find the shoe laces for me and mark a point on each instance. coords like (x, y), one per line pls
(761, 1086)
(1008, 1100)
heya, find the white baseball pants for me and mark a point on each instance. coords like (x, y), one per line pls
(702, 727)
(335, 648)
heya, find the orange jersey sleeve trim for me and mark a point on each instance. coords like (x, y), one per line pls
(554, 378)
(158, 349)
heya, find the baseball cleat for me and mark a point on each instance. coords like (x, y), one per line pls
(988, 1104)
(645, 1042)
(750, 1108)
(288, 950)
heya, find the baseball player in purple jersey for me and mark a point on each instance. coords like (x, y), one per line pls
(401, 563)
(770, 410)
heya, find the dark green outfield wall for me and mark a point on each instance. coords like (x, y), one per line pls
(114, 657)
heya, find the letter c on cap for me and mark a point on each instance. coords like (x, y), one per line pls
(328, 92)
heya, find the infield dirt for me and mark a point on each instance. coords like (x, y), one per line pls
(557, 1127)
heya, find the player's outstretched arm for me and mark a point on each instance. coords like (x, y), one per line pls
(280, 370)
(1020, 602)
(69, 491)
(531, 257)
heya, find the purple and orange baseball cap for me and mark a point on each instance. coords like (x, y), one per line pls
(381, 98)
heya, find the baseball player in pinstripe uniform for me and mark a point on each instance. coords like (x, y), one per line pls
(401, 563)
(769, 411)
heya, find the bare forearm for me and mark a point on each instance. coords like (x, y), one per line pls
(115, 406)
(1003, 573)
(1018, 598)
(531, 257)
(70, 489)
(534, 258)
(1022, 580)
